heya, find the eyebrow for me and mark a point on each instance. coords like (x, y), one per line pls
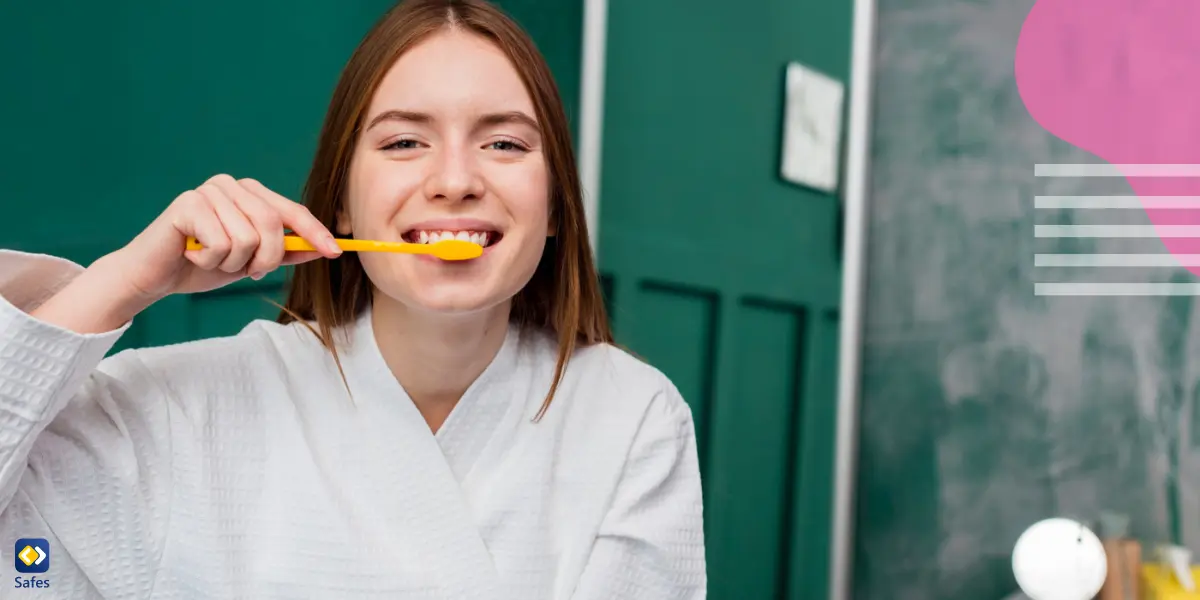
(514, 116)
(488, 120)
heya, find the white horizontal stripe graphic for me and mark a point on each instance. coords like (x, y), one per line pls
(1116, 260)
(1116, 231)
(1116, 202)
(1117, 289)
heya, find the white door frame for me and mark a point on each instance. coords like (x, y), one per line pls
(854, 253)
(591, 112)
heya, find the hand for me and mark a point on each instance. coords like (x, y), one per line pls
(239, 222)
(241, 225)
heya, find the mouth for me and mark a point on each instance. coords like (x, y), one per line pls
(485, 238)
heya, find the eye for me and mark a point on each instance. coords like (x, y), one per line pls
(507, 146)
(403, 144)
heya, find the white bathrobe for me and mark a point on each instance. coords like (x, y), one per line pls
(240, 468)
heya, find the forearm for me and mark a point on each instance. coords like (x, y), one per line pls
(95, 301)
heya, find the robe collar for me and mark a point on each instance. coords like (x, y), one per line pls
(491, 401)
(438, 478)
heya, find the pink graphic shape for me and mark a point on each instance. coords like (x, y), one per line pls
(1120, 79)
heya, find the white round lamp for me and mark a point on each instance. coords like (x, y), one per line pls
(1059, 559)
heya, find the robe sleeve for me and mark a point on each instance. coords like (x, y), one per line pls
(84, 441)
(650, 545)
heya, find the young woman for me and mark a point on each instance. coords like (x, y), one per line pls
(411, 428)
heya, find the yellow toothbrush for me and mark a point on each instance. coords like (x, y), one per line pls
(445, 249)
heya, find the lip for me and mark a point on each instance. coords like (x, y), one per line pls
(454, 224)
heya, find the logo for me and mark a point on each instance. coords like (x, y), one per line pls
(31, 555)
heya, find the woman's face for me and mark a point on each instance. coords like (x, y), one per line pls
(450, 146)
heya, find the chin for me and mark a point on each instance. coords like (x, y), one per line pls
(443, 295)
(433, 301)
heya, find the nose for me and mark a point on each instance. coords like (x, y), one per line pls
(454, 176)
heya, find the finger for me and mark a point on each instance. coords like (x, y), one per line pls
(198, 219)
(297, 218)
(265, 219)
(242, 236)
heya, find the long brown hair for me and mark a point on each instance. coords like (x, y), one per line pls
(564, 294)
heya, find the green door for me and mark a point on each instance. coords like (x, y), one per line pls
(113, 109)
(724, 276)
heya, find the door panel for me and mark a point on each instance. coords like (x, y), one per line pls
(724, 276)
(813, 465)
(769, 342)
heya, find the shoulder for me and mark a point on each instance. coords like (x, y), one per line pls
(662, 409)
(604, 382)
(620, 373)
(262, 350)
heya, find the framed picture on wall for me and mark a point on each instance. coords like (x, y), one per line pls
(812, 128)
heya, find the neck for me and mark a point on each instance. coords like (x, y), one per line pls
(437, 357)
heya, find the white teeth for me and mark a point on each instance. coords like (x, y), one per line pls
(433, 237)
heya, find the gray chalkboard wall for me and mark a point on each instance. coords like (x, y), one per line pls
(986, 407)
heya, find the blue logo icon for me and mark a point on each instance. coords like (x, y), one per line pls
(31, 555)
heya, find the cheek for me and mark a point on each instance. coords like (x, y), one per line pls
(528, 200)
(376, 191)
(533, 215)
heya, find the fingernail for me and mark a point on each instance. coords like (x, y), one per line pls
(257, 276)
(331, 245)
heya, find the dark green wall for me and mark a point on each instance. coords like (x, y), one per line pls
(986, 408)
(112, 109)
